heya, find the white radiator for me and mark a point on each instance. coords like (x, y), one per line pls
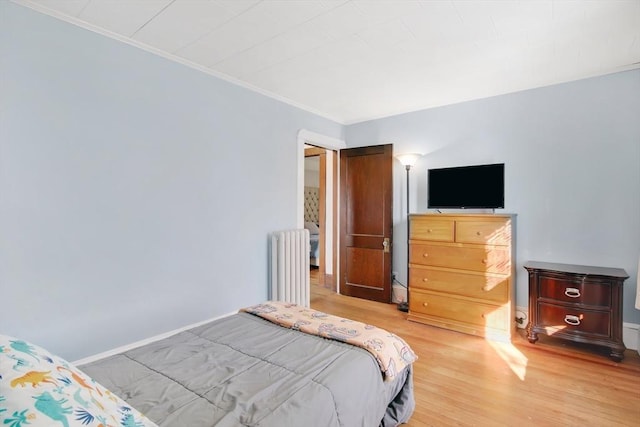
(290, 266)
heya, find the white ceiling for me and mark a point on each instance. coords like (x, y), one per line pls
(355, 60)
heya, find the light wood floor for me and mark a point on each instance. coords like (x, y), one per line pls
(461, 380)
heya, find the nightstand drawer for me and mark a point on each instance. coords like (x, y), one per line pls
(459, 310)
(483, 232)
(575, 291)
(482, 259)
(492, 288)
(440, 230)
(556, 318)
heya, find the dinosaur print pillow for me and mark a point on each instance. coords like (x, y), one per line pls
(41, 389)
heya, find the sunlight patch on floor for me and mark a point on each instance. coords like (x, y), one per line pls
(516, 361)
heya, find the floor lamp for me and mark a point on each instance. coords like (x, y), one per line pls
(407, 161)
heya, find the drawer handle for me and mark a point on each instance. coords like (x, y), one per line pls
(478, 233)
(429, 230)
(425, 304)
(425, 255)
(486, 288)
(484, 261)
(572, 292)
(570, 319)
(425, 279)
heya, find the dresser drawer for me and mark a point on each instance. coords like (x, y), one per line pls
(440, 230)
(483, 232)
(483, 259)
(557, 318)
(459, 310)
(485, 287)
(597, 295)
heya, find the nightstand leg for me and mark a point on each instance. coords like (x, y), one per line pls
(532, 336)
(617, 354)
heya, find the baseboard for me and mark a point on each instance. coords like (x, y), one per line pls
(398, 294)
(145, 341)
(631, 336)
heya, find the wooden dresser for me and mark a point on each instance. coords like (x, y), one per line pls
(578, 303)
(462, 273)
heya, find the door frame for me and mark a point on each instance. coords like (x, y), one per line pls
(321, 153)
(322, 141)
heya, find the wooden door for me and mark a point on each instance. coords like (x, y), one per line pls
(366, 222)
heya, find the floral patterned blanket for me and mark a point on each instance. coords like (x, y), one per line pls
(391, 352)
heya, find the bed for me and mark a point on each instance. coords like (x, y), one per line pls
(314, 253)
(314, 241)
(244, 369)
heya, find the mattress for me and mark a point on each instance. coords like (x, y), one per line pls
(244, 370)
(314, 252)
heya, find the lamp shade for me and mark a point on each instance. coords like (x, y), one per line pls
(408, 159)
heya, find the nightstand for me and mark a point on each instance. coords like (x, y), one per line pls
(577, 303)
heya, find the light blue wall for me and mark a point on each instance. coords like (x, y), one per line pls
(572, 155)
(136, 194)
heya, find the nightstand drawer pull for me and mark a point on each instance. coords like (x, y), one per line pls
(570, 319)
(572, 292)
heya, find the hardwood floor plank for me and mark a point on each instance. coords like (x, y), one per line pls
(462, 380)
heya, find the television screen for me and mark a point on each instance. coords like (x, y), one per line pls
(466, 187)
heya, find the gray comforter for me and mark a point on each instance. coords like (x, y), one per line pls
(243, 370)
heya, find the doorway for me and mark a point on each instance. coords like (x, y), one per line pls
(334, 272)
(320, 213)
(330, 147)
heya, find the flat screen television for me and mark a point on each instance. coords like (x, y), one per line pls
(466, 187)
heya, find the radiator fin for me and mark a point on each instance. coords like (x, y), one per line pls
(290, 281)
